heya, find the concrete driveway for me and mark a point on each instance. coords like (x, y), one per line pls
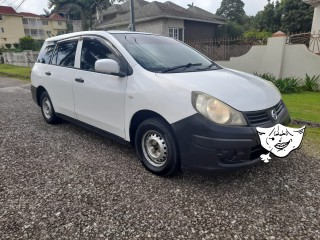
(63, 182)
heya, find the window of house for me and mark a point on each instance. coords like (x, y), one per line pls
(32, 22)
(34, 32)
(25, 21)
(1, 17)
(94, 49)
(4, 39)
(27, 32)
(65, 54)
(44, 22)
(2, 29)
(59, 23)
(176, 33)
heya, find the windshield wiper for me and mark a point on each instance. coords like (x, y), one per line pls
(209, 67)
(185, 66)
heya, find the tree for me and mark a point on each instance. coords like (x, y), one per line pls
(26, 43)
(296, 16)
(230, 29)
(233, 10)
(269, 19)
(289, 16)
(86, 8)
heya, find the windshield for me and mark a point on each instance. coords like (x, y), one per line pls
(162, 54)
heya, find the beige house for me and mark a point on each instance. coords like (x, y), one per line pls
(40, 27)
(11, 27)
(15, 25)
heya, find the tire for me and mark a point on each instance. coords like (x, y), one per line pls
(157, 148)
(47, 109)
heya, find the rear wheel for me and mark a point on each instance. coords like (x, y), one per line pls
(156, 147)
(47, 109)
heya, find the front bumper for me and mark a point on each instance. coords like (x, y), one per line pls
(205, 146)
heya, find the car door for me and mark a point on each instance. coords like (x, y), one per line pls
(99, 97)
(59, 77)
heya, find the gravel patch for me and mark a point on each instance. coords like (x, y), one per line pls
(63, 182)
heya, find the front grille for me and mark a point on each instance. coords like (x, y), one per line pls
(279, 107)
(259, 118)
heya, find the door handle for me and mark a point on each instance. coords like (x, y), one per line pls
(80, 80)
(48, 73)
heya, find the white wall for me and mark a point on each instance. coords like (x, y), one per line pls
(278, 58)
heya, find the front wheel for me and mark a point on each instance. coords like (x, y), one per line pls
(156, 147)
(47, 110)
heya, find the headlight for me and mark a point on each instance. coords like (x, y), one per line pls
(216, 111)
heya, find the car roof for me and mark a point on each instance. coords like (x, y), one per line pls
(83, 33)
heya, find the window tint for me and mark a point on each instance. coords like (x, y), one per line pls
(94, 49)
(46, 52)
(65, 54)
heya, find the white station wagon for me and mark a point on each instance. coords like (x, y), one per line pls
(179, 109)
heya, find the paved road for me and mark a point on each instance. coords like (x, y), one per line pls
(63, 182)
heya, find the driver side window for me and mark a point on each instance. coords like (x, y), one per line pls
(94, 49)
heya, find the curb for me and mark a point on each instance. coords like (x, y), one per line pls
(306, 123)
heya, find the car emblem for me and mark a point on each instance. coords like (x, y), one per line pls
(274, 114)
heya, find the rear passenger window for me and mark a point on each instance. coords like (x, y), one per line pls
(46, 52)
(65, 54)
(94, 49)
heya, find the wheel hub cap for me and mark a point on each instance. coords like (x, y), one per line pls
(46, 106)
(154, 148)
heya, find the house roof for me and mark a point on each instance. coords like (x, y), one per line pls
(56, 16)
(27, 14)
(7, 10)
(119, 15)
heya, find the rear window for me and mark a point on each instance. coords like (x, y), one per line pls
(46, 52)
(65, 54)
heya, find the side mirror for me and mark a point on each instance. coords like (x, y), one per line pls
(108, 66)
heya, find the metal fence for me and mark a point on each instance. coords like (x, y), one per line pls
(312, 41)
(221, 49)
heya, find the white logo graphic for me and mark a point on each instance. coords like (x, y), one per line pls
(279, 140)
(274, 114)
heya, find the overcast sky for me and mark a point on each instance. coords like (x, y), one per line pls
(251, 6)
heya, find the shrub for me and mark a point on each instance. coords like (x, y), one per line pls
(27, 43)
(16, 45)
(311, 83)
(8, 45)
(285, 85)
(288, 85)
(37, 45)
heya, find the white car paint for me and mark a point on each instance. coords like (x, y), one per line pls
(109, 102)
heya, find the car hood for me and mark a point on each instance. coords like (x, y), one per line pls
(242, 91)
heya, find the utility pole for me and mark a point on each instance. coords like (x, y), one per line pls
(132, 24)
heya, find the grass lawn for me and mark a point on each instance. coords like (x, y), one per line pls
(304, 105)
(15, 71)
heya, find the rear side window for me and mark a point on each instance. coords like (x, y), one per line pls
(46, 52)
(65, 54)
